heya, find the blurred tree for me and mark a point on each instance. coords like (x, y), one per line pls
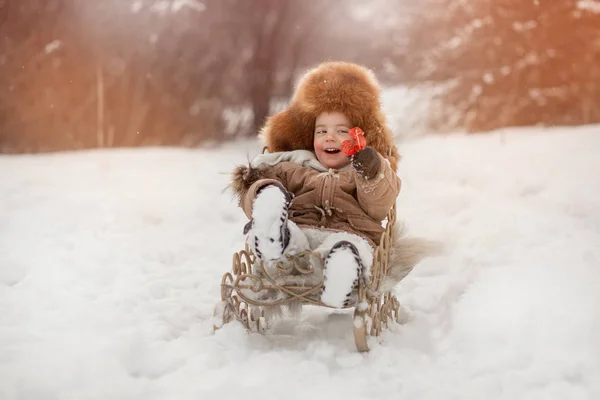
(272, 40)
(157, 72)
(26, 48)
(513, 62)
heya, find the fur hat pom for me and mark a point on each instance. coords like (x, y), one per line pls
(332, 86)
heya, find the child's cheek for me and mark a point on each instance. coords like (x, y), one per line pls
(318, 146)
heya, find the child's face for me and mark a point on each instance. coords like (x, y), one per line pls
(331, 129)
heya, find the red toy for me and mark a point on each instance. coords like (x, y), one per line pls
(356, 144)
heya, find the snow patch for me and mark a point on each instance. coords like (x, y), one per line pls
(52, 46)
(589, 5)
(488, 78)
(111, 264)
(192, 4)
(136, 6)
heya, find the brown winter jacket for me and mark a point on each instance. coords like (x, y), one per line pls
(336, 200)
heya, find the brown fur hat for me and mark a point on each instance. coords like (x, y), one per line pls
(332, 86)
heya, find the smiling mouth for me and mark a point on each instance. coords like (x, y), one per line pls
(332, 151)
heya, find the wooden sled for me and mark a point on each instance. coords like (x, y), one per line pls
(249, 291)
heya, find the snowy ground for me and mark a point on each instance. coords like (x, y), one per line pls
(110, 264)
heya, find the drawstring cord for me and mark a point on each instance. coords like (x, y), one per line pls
(327, 212)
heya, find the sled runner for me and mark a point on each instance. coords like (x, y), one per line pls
(253, 294)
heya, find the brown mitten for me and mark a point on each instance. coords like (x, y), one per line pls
(366, 162)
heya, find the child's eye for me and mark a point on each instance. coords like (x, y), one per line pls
(342, 131)
(321, 132)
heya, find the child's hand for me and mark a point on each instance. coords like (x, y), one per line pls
(366, 162)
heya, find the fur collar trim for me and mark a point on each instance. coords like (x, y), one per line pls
(304, 158)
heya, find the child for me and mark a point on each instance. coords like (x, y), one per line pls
(306, 193)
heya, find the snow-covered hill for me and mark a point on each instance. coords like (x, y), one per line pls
(110, 264)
